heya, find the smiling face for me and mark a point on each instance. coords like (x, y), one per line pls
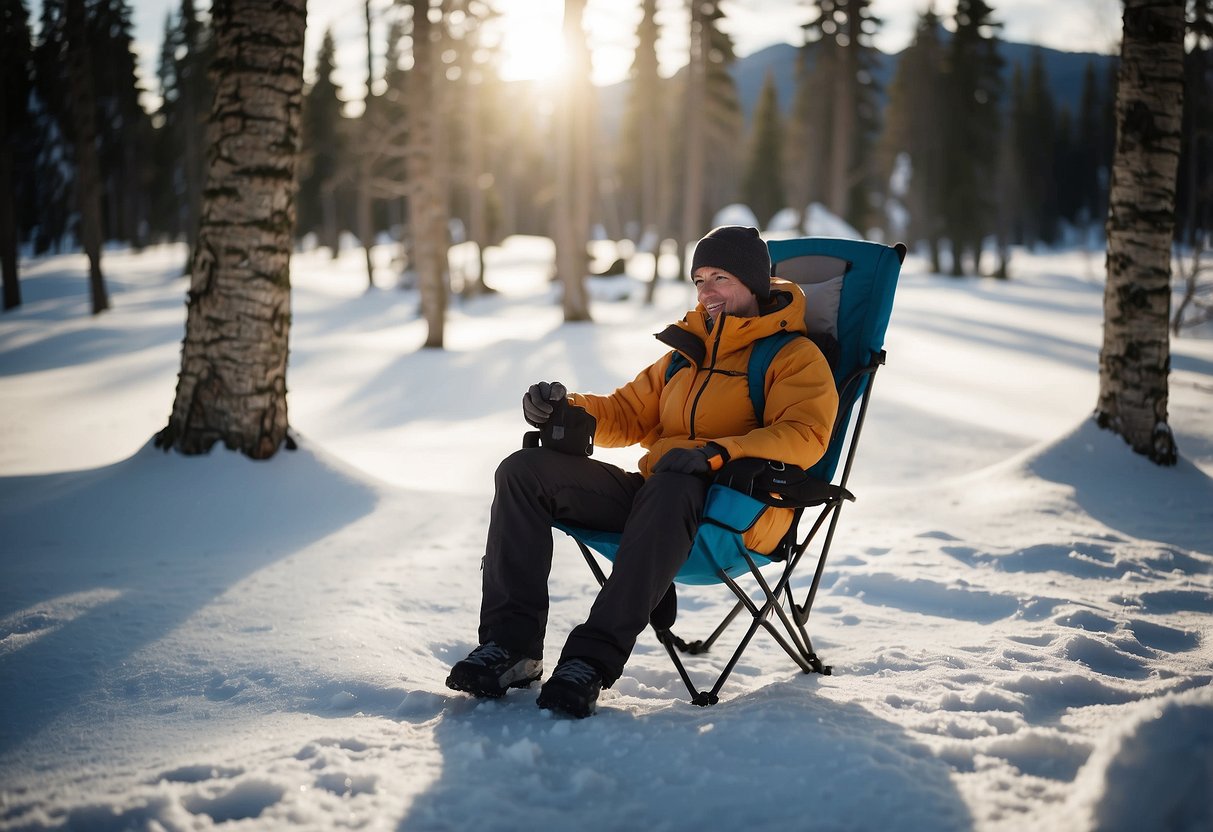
(721, 292)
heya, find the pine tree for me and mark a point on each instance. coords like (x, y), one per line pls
(180, 135)
(124, 128)
(711, 125)
(725, 125)
(914, 117)
(1090, 160)
(763, 187)
(82, 111)
(320, 158)
(844, 84)
(1194, 195)
(644, 158)
(1035, 149)
(16, 84)
(477, 130)
(808, 132)
(232, 384)
(971, 132)
(1135, 359)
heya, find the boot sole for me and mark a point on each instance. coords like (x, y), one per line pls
(559, 701)
(484, 692)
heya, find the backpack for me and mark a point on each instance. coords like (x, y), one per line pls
(761, 355)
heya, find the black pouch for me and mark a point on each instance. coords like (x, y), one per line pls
(777, 483)
(570, 430)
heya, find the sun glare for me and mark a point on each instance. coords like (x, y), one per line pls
(532, 48)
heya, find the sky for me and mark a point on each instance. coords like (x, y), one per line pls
(531, 28)
(1020, 641)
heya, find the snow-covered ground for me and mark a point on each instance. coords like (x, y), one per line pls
(1017, 608)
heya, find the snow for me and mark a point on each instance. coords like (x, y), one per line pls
(1017, 607)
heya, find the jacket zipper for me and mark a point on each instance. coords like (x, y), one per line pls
(711, 368)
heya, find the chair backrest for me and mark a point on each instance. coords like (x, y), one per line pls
(849, 287)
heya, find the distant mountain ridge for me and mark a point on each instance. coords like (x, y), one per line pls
(1064, 71)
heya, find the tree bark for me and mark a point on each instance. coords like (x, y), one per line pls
(693, 128)
(232, 384)
(427, 197)
(574, 169)
(88, 174)
(1135, 359)
(8, 228)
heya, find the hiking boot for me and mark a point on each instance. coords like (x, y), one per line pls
(572, 689)
(490, 670)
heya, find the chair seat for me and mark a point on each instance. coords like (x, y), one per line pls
(717, 547)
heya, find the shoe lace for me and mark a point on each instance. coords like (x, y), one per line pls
(576, 671)
(487, 654)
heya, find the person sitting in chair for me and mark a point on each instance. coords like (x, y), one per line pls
(690, 422)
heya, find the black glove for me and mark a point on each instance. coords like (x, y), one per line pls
(536, 401)
(687, 460)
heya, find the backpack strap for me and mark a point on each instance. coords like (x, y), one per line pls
(762, 353)
(677, 362)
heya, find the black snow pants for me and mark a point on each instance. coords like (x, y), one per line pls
(658, 518)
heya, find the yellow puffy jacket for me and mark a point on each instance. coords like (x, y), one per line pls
(710, 401)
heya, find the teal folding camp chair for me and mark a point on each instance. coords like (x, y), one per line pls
(849, 285)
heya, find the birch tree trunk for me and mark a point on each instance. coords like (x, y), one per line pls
(1136, 355)
(574, 168)
(232, 385)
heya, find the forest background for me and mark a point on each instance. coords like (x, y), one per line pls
(962, 143)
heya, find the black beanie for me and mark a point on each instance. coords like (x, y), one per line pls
(741, 252)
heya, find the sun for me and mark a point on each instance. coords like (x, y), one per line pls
(532, 45)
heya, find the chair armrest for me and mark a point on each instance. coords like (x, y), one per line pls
(778, 484)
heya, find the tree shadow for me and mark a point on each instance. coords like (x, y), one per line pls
(98, 564)
(777, 758)
(1128, 493)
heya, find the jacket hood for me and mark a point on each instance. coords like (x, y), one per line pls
(782, 311)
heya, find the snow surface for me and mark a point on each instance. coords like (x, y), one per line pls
(1017, 607)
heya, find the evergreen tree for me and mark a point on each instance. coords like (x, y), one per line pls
(82, 111)
(644, 158)
(971, 132)
(808, 132)
(763, 187)
(16, 84)
(1194, 194)
(187, 95)
(320, 158)
(725, 122)
(914, 117)
(124, 129)
(1035, 150)
(711, 126)
(1090, 157)
(476, 128)
(842, 31)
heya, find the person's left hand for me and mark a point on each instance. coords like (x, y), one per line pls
(683, 461)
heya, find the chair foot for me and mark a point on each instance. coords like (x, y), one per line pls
(704, 698)
(819, 667)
